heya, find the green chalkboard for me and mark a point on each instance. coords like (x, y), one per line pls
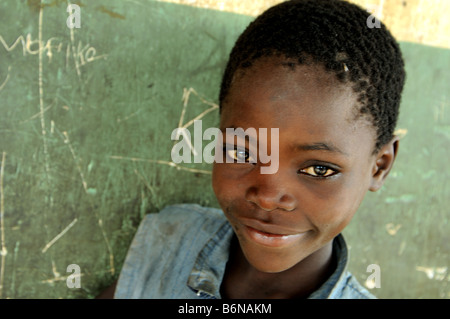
(85, 140)
(404, 228)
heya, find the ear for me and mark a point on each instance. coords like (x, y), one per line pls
(383, 163)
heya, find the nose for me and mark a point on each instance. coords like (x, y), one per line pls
(270, 192)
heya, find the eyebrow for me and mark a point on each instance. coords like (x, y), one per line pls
(320, 146)
(248, 139)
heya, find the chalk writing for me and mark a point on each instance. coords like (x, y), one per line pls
(80, 53)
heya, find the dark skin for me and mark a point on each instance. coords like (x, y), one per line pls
(326, 165)
(285, 222)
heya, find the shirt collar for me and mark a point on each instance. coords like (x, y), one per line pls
(207, 274)
(335, 284)
(209, 268)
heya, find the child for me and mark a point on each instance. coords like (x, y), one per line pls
(330, 80)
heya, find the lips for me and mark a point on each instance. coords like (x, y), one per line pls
(270, 235)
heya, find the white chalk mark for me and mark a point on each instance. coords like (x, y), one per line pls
(54, 240)
(72, 151)
(74, 275)
(2, 228)
(145, 183)
(436, 273)
(55, 272)
(201, 115)
(8, 48)
(171, 164)
(187, 140)
(72, 40)
(41, 103)
(13, 276)
(181, 126)
(6, 80)
(186, 95)
(84, 183)
(37, 114)
(128, 116)
(57, 275)
(185, 100)
(60, 278)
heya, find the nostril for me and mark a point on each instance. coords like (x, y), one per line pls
(287, 202)
(270, 200)
(267, 204)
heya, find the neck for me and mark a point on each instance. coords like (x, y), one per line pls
(242, 280)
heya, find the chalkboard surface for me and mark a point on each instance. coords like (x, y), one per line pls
(86, 119)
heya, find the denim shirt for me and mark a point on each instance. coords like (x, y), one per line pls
(182, 252)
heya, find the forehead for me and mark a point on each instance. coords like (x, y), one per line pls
(302, 100)
(278, 80)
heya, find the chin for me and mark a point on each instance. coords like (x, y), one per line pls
(271, 269)
(271, 260)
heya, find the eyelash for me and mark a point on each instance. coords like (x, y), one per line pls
(235, 150)
(331, 171)
(328, 173)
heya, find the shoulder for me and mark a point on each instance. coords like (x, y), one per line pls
(164, 250)
(178, 220)
(177, 225)
(354, 290)
(187, 212)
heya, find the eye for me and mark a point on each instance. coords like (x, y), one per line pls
(239, 155)
(318, 171)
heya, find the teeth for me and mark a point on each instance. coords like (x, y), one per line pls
(267, 234)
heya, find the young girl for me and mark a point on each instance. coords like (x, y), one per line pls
(330, 80)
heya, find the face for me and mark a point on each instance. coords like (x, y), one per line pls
(325, 164)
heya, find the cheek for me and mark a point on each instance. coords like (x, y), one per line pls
(223, 186)
(339, 203)
(215, 181)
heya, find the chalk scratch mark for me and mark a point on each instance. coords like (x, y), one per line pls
(41, 104)
(86, 190)
(171, 164)
(57, 237)
(181, 126)
(186, 95)
(60, 278)
(13, 276)
(185, 98)
(57, 276)
(72, 40)
(6, 80)
(126, 118)
(2, 228)
(75, 159)
(38, 114)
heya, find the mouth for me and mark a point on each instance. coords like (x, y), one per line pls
(270, 235)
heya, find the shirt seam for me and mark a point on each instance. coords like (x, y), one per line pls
(355, 289)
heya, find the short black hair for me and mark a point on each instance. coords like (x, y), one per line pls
(342, 37)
